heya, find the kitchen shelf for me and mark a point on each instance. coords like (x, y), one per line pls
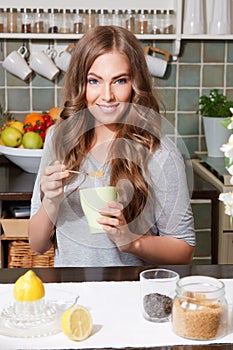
(176, 5)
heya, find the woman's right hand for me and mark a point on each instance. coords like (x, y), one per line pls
(52, 181)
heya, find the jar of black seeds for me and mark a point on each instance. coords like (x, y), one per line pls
(157, 293)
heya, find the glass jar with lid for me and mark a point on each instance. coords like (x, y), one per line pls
(117, 17)
(26, 20)
(52, 21)
(78, 21)
(11, 20)
(168, 21)
(130, 20)
(90, 17)
(64, 21)
(2, 27)
(200, 309)
(38, 20)
(142, 21)
(103, 17)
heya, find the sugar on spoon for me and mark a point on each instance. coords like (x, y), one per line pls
(95, 174)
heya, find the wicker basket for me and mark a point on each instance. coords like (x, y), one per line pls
(20, 255)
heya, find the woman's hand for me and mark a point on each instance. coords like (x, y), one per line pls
(52, 181)
(116, 227)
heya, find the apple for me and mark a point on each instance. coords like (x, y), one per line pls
(11, 137)
(32, 140)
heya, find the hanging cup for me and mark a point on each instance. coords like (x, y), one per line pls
(157, 66)
(16, 64)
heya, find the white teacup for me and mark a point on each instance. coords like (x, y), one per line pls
(42, 64)
(16, 64)
(63, 59)
(157, 66)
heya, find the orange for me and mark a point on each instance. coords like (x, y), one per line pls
(55, 112)
(33, 118)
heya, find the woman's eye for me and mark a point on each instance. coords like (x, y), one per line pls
(121, 81)
(92, 81)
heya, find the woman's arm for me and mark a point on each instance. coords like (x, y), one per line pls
(41, 224)
(153, 249)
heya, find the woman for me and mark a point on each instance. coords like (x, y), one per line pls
(110, 124)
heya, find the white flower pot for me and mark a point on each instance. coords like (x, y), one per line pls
(216, 135)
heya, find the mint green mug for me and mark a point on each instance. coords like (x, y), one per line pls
(93, 199)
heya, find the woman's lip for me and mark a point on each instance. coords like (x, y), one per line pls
(108, 108)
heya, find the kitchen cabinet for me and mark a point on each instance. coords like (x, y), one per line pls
(213, 171)
(16, 187)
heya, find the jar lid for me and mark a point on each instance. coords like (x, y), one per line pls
(64, 11)
(103, 11)
(117, 12)
(38, 10)
(11, 9)
(90, 11)
(52, 10)
(25, 10)
(78, 11)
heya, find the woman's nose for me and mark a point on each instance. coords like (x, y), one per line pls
(106, 92)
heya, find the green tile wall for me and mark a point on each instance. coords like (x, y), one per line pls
(202, 65)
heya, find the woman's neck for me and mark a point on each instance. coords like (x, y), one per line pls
(103, 138)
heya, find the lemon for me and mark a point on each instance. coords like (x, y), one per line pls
(28, 287)
(17, 125)
(76, 323)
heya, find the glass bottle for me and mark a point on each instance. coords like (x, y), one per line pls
(103, 17)
(169, 22)
(2, 21)
(117, 17)
(156, 22)
(26, 20)
(200, 309)
(52, 21)
(90, 19)
(78, 22)
(38, 20)
(65, 21)
(130, 20)
(142, 23)
(11, 20)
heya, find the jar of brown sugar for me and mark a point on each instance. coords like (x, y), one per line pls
(200, 309)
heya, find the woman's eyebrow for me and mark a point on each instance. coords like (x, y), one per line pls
(116, 77)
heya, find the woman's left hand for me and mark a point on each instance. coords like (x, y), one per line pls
(115, 225)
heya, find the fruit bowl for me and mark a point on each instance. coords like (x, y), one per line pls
(26, 159)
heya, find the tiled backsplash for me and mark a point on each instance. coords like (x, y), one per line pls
(202, 65)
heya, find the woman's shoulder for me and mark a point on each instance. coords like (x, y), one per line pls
(166, 148)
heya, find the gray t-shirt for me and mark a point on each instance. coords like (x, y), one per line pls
(170, 216)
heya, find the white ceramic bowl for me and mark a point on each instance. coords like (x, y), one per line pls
(26, 159)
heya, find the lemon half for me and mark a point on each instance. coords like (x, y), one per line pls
(29, 287)
(76, 323)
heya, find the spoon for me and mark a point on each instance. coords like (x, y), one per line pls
(94, 174)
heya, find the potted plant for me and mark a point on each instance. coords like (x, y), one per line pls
(214, 109)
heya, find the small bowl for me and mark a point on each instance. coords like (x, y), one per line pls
(26, 159)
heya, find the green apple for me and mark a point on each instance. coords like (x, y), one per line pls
(32, 140)
(11, 137)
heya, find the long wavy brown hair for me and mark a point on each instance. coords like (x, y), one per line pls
(139, 133)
